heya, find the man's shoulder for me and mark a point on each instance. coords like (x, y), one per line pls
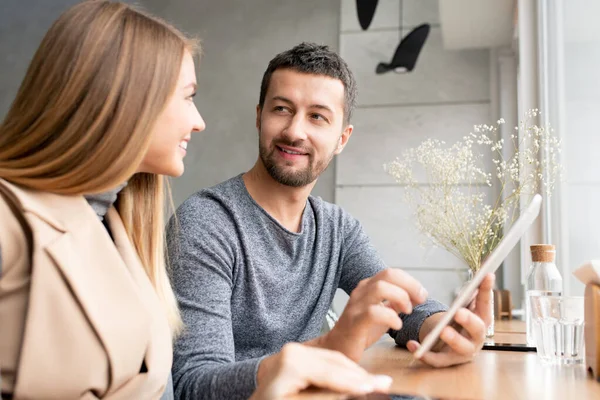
(213, 197)
(210, 204)
(331, 212)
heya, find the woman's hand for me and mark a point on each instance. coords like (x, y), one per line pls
(297, 366)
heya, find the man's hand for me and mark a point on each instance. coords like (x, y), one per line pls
(460, 347)
(373, 309)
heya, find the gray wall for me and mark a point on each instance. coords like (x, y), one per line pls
(446, 94)
(239, 38)
(443, 97)
(23, 24)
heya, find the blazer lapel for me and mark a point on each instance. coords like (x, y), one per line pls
(159, 355)
(88, 293)
(104, 287)
(123, 244)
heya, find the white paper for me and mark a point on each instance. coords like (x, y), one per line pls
(589, 272)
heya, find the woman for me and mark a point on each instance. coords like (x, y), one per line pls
(104, 112)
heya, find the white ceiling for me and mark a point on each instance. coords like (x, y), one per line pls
(475, 24)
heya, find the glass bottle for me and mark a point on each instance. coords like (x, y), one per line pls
(543, 278)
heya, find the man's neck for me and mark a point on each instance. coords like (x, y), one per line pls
(284, 203)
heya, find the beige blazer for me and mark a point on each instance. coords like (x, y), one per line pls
(85, 321)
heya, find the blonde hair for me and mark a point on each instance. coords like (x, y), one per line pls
(82, 118)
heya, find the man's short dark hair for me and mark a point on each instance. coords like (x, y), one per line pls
(311, 58)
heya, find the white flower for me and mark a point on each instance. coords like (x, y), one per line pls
(451, 208)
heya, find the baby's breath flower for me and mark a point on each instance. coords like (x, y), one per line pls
(450, 205)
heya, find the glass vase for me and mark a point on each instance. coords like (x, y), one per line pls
(490, 330)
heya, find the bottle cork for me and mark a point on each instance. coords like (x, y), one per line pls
(542, 252)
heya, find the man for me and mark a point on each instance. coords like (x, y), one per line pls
(256, 260)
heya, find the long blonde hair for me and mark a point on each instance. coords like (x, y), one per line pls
(82, 118)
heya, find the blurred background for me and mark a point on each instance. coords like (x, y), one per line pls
(482, 60)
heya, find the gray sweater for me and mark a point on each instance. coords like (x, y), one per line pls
(246, 285)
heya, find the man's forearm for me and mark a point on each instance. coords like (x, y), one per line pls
(353, 350)
(234, 380)
(429, 324)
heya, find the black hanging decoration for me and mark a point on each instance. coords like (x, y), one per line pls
(407, 52)
(366, 11)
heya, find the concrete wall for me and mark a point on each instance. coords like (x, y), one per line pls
(239, 38)
(443, 97)
(23, 24)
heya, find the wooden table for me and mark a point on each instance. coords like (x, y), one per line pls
(509, 332)
(491, 375)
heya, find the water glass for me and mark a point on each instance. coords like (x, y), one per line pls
(558, 328)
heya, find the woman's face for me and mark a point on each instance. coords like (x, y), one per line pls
(173, 128)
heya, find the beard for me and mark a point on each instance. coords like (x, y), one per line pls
(283, 171)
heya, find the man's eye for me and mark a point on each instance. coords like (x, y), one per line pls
(281, 109)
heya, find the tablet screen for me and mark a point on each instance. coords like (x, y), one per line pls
(490, 265)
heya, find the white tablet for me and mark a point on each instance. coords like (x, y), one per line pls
(490, 265)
